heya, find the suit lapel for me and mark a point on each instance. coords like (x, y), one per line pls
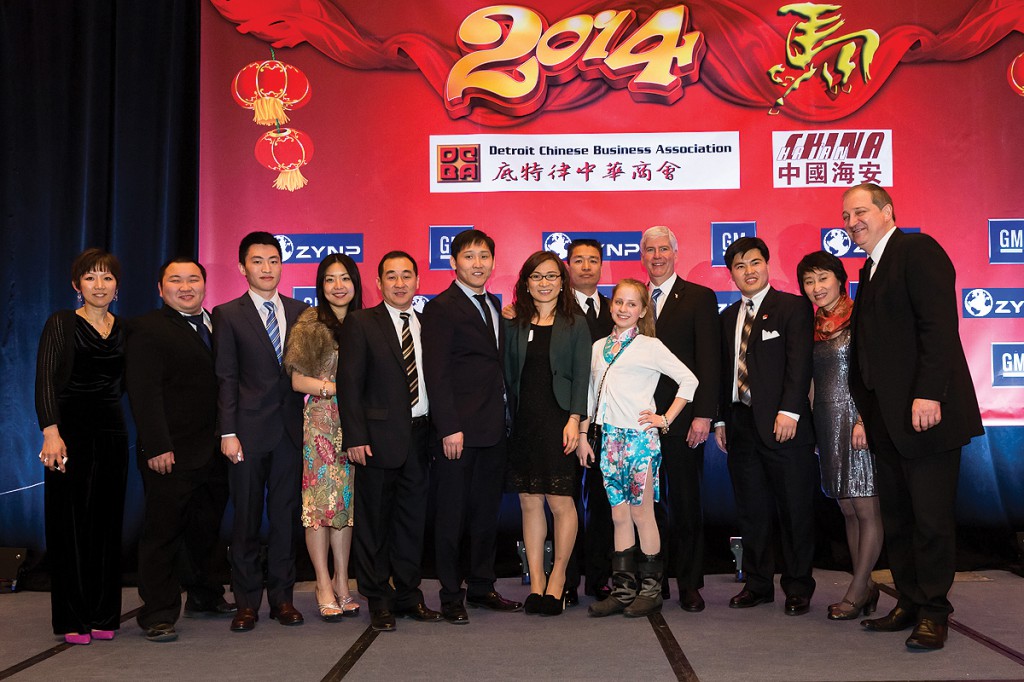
(185, 326)
(472, 313)
(387, 329)
(673, 298)
(252, 316)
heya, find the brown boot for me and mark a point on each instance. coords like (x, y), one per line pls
(623, 585)
(650, 571)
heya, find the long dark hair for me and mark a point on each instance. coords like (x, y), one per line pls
(323, 309)
(523, 302)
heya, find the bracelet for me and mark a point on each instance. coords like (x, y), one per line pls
(323, 389)
(583, 432)
(664, 429)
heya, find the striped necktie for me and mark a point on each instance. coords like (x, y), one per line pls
(742, 378)
(409, 356)
(273, 331)
(655, 295)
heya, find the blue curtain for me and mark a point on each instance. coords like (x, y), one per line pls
(100, 149)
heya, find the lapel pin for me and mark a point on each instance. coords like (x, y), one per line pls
(764, 317)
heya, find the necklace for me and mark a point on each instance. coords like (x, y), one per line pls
(103, 327)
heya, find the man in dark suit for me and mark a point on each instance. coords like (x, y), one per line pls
(173, 392)
(913, 388)
(384, 419)
(686, 321)
(261, 431)
(594, 539)
(463, 348)
(767, 347)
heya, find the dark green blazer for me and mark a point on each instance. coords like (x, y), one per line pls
(570, 361)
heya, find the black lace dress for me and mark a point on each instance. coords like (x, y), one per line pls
(537, 462)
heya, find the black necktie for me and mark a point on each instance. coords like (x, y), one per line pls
(409, 355)
(591, 310)
(201, 329)
(482, 300)
(868, 264)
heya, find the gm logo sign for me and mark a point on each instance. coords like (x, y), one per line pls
(836, 240)
(1006, 240)
(305, 294)
(993, 303)
(726, 299)
(724, 234)
(441, 237)
(617, 245)
(311, 248)
(1007, 364)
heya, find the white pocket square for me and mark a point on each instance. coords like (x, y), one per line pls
(765, 335)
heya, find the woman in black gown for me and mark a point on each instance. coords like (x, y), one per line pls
(547, 361)
(79, 373)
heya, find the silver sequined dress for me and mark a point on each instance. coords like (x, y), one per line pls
(845, 472)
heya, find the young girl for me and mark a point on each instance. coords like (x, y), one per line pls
(625, 369)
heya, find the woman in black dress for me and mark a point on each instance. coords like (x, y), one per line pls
(547, 361)
(79, 373)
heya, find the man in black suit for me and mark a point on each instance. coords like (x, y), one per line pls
(261, 431)
(686, 321)
(173, 392)
(463, 348)
(594, 538)
(384, 419)
(910, 380)
(766, 429)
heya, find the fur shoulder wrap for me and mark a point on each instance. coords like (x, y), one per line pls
(311, 347)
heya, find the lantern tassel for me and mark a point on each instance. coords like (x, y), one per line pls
(290, 180)
(268, 110)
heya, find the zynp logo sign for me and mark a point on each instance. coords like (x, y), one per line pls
(311, 248)
(993, 302)
(623, 246)
(836, 240)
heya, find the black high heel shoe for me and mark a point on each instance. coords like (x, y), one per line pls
(552, 606)
(533, 604)
(867, 606)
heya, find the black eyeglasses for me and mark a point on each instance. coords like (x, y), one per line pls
(550, 276)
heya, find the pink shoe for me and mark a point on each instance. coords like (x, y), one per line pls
(76, 638)
(103, 634)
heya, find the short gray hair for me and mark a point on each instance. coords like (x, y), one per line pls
(659, 231)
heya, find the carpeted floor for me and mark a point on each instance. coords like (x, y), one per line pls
(720, 644)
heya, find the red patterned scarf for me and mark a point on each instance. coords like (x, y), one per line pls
(829, 323)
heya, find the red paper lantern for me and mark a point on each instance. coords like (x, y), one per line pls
(285, 150)
(269, 88)
(1015, 74)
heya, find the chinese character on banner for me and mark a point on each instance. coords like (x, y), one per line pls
(809, 51)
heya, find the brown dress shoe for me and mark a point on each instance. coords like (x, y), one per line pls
(897, 619)
(286, 614)
(493, 601)
(746, 599)
(690, 600)
(928, 634)
(244, 620)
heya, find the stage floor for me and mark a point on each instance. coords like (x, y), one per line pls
(986, 642)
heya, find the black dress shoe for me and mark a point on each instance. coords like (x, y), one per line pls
(455, 613)
(572, 596)
(493, 601)
(797, 606)
(897, 619)
(219, 609)
(533, 603)
(421, 613)
(690, 600)
(928, 634)
(244, 620)
(551, 605)
(287, 614)
(382, 620)
(746, 599)
(161, 632)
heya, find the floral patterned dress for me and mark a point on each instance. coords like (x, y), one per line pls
(327, 475)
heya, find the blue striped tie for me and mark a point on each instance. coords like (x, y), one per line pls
(273, 331)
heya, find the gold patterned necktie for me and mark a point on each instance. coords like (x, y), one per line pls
(742, 377)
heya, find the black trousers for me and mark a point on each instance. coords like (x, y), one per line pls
(84, 508)
(276, 474)
(680, 515)
(917, 497)
(388, 535)
(468, 502)
(773, 486)
(181, 525)
(595, 542)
